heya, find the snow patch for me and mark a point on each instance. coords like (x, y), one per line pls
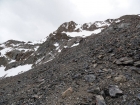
(22, 49)
(117, 21)
(36, 48)
(12, 61)
(5, 50)
(89, 24)
(15, 45)
(65, 46)
(39, 60)
(97, 31)
(101, 24)
(14, 71)
(78, 26)
(2, 45)
(59, 50)
(56, 44)
(84, 33)
(75, 45)
(48, 60)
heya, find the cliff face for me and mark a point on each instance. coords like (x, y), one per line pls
(99, 66)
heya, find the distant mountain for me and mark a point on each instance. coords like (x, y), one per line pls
(78, 64)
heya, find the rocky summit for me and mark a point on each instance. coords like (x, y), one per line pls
(78, 64)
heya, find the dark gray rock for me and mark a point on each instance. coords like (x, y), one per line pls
(94, 90)
(90, 78)
(124, 25)
(124, 61)
(138, 96)
(138, 26)
(12, 65)
(137, 64)
(137, 70)
(3, 61)
(114, 91)
(132, 102)
(100, 100)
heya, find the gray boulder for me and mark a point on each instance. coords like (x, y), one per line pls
(124, 61)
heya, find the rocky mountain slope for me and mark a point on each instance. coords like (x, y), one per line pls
(15, 54)
(91, 64)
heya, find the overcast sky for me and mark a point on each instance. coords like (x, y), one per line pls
(29, 20)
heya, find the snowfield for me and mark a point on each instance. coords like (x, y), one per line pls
(14, 71)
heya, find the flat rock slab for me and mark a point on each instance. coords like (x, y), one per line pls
(114, 91)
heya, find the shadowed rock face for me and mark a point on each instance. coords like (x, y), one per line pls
(3, 61)
(103, 69)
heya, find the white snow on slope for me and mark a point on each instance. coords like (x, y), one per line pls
(83, 33)
(39, 60)
(56, 44)
(8, 49)
(14, 71)
(2, 45)
(36, 48)
(117, 21)
(3, 51)
(12, 61)
(101, 24)
(78, 26)
(59, 50)
(75, 45)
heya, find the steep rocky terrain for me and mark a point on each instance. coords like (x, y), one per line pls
(100, 66)
(16, 54)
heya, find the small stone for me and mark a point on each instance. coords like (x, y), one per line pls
(40, 80)
(100, 71)
(94, 90)
(112, 55)
(128, 62)
(120, 78)
(100, 100)
(137, 70)
(35, 96)
(118, 62)
(76, 76)
(132, 102)
(137, 64)
(67, 92)
(114, 91)
(95, 65)
(109, 76)
(125, 61)
(90, 78)
(94, 61)
(100, 56)
(138, 26)
(105, 70)
(124, 97)
(110, 50)
(138, 96)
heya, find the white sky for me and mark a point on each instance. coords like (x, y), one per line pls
(29, 20)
